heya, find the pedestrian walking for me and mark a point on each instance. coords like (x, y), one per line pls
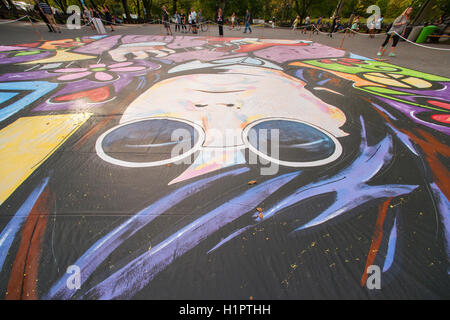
(333, 26)
(43, 17)
(355, 26)
(296, 22)
(108, 17)
(248, 18)
(87, 14)
(48, 12)
(398, 29)
(318, 25)
(98, 24)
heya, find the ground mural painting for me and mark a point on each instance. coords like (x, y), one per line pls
(88, 178)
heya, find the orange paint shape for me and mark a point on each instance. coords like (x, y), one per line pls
(376, 239)
(24, 273)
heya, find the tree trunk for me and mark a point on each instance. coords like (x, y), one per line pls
(174, 6)
(148, 8)
(13, 7)
(127, 12)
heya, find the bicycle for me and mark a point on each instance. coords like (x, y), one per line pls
(204, 26)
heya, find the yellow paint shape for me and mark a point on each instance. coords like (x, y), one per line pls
(62, 56)
(386, 81)
(28, 142)
(417, 82)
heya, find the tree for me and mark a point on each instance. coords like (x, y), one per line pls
(303, 9)
(127, 11)
(148, 8)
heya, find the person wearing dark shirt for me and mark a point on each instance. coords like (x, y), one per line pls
(220, 22)
(48, 12)
(165, 18)
(183, 21)
(108, 17)
(43, 17)
(247, 22)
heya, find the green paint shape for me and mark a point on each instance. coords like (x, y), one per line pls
(27, 53)
(375, 66)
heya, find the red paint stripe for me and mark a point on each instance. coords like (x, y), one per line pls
(24, 270)
(444, 118)
(376, 239)
(440, 104)
(94, 95)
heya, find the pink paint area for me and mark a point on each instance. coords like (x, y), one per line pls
(127, 69)
(192, 173)
(283, 54)
(103, 76)
(101, 65)
(70, 70)
(121, 64)
(10, 48)
(444, 118)
(74, 76)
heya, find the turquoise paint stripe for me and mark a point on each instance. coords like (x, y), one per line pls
(39, 89)
(5, 96)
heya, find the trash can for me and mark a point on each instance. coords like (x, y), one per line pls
(415, 33)
(426, 31)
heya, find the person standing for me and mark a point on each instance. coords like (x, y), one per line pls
(220, 22)
(233, 19)
(177, 18)
(333, 26)
(48, 12)
(194, 21)
(165, 19)
(379, 23)
(183, 21)
(307, 24)
(190, 22)
(398, 29)
(248, 18)
(318, 25)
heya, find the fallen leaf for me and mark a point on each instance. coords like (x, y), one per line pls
(252, 182)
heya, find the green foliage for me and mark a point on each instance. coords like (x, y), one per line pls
(282, 10)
